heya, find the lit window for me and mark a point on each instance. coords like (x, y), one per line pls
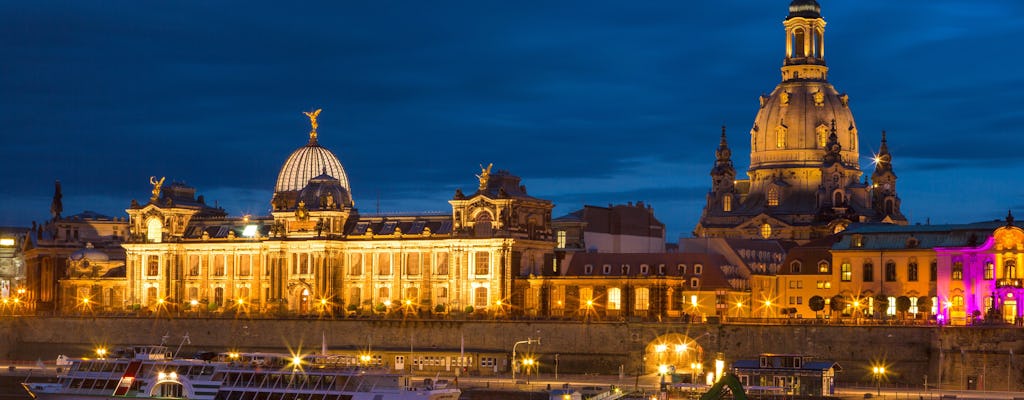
(989, 270)
(561, 239)
(891, 310)
(958, 271)
(766, 231)
(845, 271)
(773, 196)
(641, 300)
(780, 137)
(823, 267)
(154, 230)
(614, 298)
(586, 296)
(727, 203)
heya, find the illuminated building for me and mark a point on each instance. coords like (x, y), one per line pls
(804, 179)
(12, 261)
(316, 253)
(620, 228)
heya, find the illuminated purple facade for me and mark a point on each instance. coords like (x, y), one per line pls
(982, 282)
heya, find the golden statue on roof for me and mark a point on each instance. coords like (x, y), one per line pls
(312, 118)
(156, 187)
(485, 175)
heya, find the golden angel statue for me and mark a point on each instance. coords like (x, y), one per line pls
(156, 187)
(485, 175)
(312, 118)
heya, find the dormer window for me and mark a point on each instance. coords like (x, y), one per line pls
(681, 268)
(644, 269)
(625, 269)
(698, 269)
(606, 269)
(588, 269)
(794, 267)
(694, 283)
(661, 269)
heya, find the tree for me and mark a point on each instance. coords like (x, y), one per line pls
(881, 304)
(924, 305)
(837, 303)
(903, 305)
(816, 303)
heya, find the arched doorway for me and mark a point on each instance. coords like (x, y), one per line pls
(678, 354)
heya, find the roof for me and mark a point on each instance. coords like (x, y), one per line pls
(712, 276)
(892, 237)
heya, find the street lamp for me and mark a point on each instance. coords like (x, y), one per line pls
(879, 373)
(528, 363)
(527, 341)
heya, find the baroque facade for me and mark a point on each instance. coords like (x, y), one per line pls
(317, 253)
(804, 179)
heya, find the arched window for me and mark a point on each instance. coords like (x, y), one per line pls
(780, 137)
(822, 134)
(727, 203)
(766, 231)
(482, 225)
(154, 230)
(912, 270)
(890, 271)
(614, 298)
(794, 267)
(773, 196)
(816, 44)
(1011, 269)
(869, 272)
(838, 199)
(588, 269)
(799, 36)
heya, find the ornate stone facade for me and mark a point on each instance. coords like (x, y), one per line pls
(804, 179)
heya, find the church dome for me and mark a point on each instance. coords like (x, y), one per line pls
(89, 253)
(325, 192)
(793, 125)
(307, 162)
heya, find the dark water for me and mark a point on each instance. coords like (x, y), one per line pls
(10, 388)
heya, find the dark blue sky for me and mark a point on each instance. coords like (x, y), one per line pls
(590, 102)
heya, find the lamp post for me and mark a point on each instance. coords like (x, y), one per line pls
(527, 341)
(878, 372)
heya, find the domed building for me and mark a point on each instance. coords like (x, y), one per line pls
(316, 253)
(804, 179)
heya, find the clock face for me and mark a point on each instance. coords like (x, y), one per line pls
(888, 186)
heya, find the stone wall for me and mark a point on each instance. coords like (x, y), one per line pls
(958, 356)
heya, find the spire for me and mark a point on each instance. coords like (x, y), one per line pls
(723, 153)
(832, 147)
(883, 160)
(57, 206)
(804, 9)
(1009, 217)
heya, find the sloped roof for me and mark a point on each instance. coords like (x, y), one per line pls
(711, 275)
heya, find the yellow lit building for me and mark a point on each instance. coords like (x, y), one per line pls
(317, 254)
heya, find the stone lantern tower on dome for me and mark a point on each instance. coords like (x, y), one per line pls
(805, 179)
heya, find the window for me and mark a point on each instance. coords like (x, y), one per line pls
(1011, 269)
(661, 269)
(869, 272)
(558, 298)
(933, 269)
(641, 299)
(588, 269)
(681, 268)
(193, 265)
(727, 203)
(614, 298)
(606, 269)
(795, 284)
(913, 305)
(644, 269)
(412, 264)
(890, 271)
(698, 269)
(694, 283)
(480, 297)
(958, 271)
(824, 267)
(482, 263)
(245, 265)
(354, 296)
(891, 310)
(153, 266)
(561, 239)
(824, 284)
(442, 264)
(794, 267)
(383, 264)
(780, 137)
(625, 269)
(356, 265)
(845, 272)
(912, 271)
(218, 264)
(154, 230)
(857, 241)
(958, 301)
(412, 293)
(586, 296)
(383, 294)
(990, 272)
(773, 196)
(766, 231)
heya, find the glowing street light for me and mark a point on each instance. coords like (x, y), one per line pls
(879, 373)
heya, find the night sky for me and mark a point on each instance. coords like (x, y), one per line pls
(590, 102)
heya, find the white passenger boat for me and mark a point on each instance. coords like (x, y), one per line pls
(151, 372)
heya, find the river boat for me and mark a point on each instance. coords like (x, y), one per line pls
(145, 372)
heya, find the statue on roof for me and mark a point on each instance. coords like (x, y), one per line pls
(157, 184)
(312, 118)
(485, 175)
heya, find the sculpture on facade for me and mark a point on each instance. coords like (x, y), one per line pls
(312, 118)
(157, 184)
(485, 175)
